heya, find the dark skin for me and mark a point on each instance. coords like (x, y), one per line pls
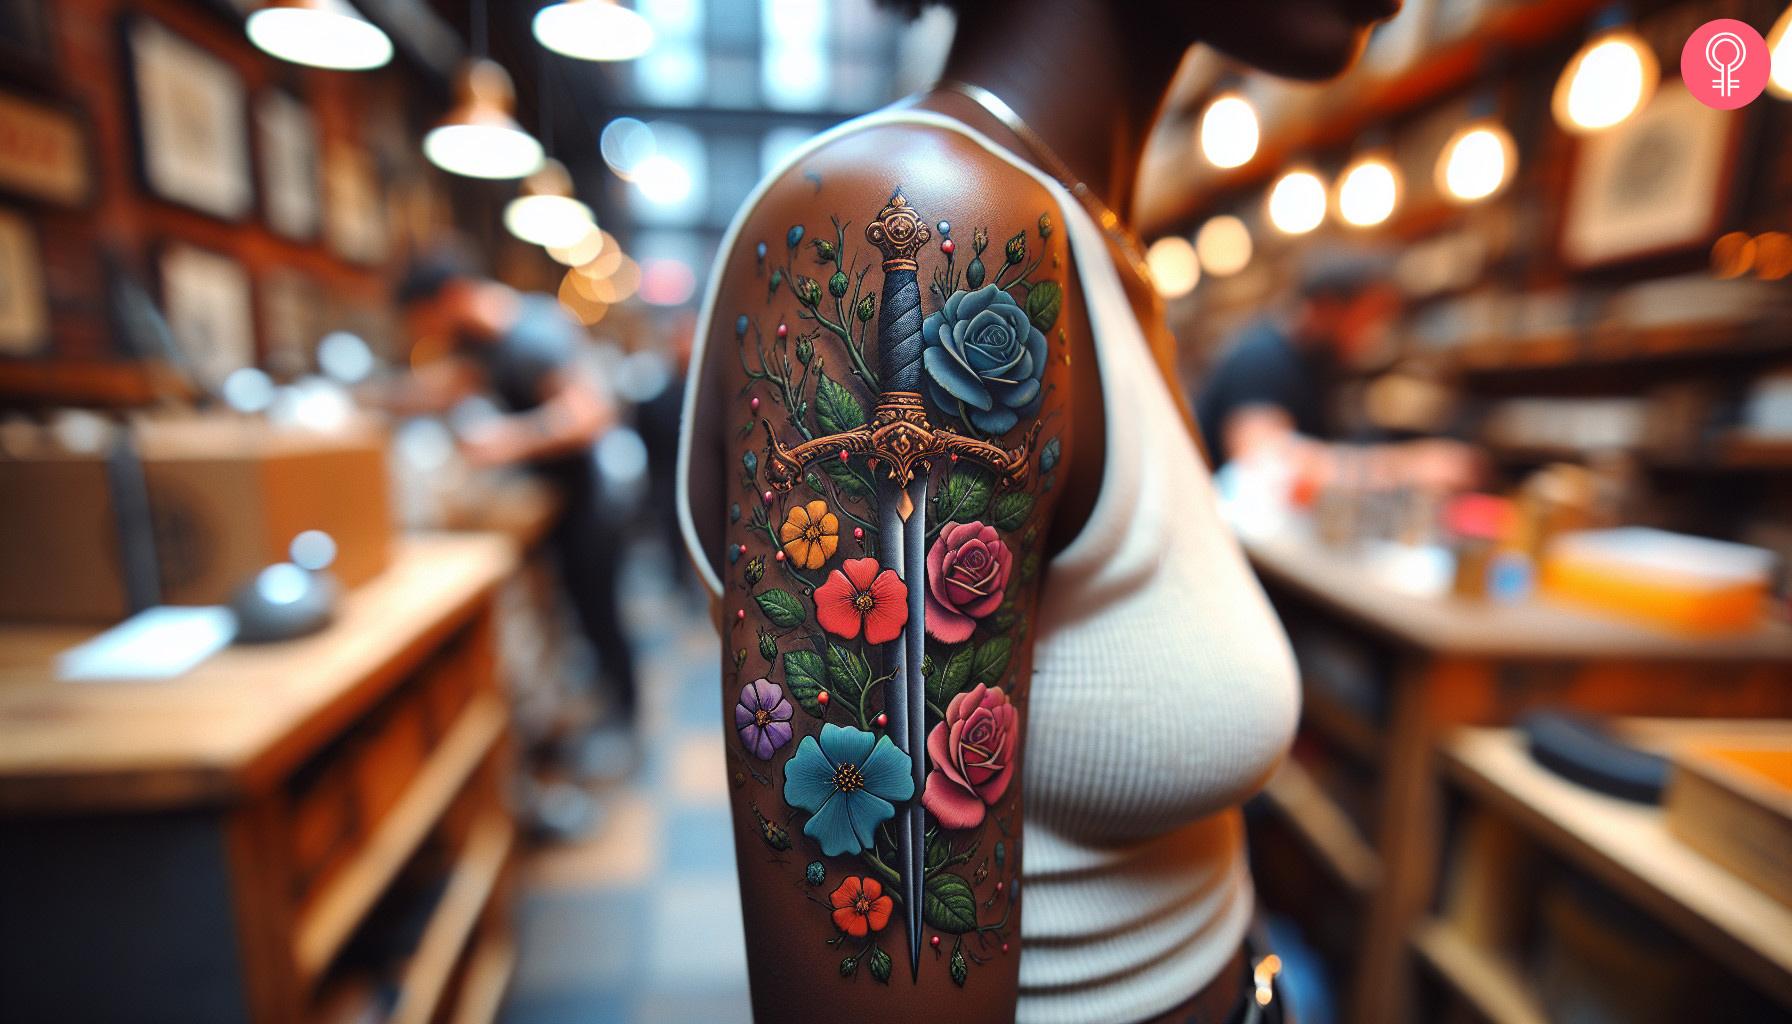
(1096, 120)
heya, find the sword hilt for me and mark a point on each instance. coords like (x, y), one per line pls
(898, 232)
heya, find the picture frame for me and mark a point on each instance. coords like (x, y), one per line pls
(355, 225)
(44, 152)
(210, 312)
(294, 312)
(27, 40)
(291, 177)
(1655, 184)
(192, 122)
(24, 304)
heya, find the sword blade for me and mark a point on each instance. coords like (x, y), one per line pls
(907, 717)
(914, 575)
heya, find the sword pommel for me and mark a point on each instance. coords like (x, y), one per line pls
(898, 233)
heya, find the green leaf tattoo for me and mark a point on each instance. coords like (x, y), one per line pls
(1011, 510)
(848, 673)
(878, 962)
(805, 677)
(991, 661)
(782, 608)
(1043, 304)
(950, 681)
(948, 904)
(837, 409)
(964, 497)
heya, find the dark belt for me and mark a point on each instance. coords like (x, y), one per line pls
(1244, 992)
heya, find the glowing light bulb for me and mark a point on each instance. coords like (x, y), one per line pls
(1611, 78)
(1477, 162)
(479, 138)
(319, 33)
(1224, 245)
(1779, 47)
(546, 213)
(1174, 267)
(1229, 131)
(593, 30)
(1297, 202)
(1368, 192)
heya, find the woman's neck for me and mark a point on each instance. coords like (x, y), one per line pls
(1080, 76)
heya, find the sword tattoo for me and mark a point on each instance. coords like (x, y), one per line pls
(902, 447)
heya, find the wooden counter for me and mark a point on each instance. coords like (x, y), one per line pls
(203, 848)
(1387, 675)
(1531, 630)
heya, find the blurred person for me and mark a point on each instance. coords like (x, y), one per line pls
(1271, 393)
(522, 351)
(1045, 602)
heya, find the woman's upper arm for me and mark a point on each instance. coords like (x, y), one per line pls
(889, 359)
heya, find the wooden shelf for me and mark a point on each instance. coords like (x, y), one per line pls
(447, 935)
(109, 383)
(1323, 828)
(1496, 989)
(488, 976)
(334, 914)
(1445, 67)
(1628, 847)
(1345, 726)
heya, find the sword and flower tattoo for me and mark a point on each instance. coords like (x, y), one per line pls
(885, 541)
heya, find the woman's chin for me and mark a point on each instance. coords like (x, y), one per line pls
(1307, 39)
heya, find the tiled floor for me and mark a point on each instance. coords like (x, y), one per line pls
(640, 923)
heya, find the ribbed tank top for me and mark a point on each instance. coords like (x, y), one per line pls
(1163, 694)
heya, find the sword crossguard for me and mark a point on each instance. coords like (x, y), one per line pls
(899, 439)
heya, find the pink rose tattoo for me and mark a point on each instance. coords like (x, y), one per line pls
(972, 752)
(967, 574)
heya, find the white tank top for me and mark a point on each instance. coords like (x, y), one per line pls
(1163, 691)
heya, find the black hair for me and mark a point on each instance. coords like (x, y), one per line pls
(428, 275)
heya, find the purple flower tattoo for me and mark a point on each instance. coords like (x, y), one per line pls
(763, 718)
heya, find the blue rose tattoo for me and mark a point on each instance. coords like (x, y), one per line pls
(983, 359)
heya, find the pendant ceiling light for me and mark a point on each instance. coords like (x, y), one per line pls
(319, 33)
(1612, 77)
(479, 138)
(546, 213)
(1477, 162)
(1229, 131)
(1368, 191)
(593, 30)
(1297, 202)
(1779, 49)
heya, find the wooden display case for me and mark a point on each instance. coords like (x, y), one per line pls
(231, 844)
(1387, 677)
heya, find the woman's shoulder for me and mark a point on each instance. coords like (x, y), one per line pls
(942, 169)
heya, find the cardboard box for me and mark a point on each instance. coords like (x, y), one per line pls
(227, 497)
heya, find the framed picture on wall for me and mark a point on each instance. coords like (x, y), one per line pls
(354, 210)
(205, 296)
(43, 151)
(192, 122)
(291, 195)
(26, 43)
(1654, 184)
(292, 314)
(24, 311)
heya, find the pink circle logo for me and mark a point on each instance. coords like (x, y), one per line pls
(1725, 64)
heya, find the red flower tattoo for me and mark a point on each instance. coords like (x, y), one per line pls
(860, 595)
(860, 906)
